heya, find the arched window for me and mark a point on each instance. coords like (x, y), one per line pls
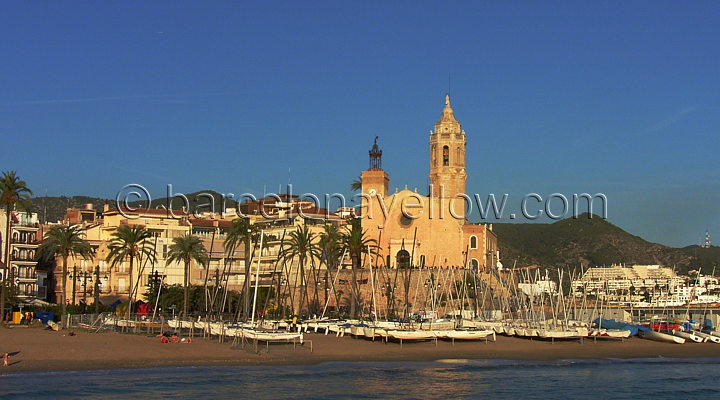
(402, 259)
(474, 264)
(446, 156)
(473, 242)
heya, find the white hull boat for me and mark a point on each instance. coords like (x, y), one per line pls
(610, 333)
(661, 337)
(689, 336)
(708, 337)
(463, 334)
(560, 334)
(410, 334)
(269, 336)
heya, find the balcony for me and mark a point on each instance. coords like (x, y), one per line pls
(28, 240)
(20, 258)
(33, 226)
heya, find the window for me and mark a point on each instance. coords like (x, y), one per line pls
(473, 242)
(446, 156)
(403, 259)
(474, 264)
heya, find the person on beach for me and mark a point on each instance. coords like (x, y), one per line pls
(5, 358)
(294, 323)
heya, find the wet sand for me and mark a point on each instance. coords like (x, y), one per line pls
(35, 349)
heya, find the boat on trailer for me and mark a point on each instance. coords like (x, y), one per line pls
(403, 334)
(466, 334)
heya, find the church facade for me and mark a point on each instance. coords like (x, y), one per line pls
(413, 229)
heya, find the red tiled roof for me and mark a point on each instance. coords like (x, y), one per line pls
(312, 211)
(149, 211)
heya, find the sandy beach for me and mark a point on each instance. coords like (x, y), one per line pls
(35, 349)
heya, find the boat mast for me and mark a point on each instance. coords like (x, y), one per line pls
(257, 279)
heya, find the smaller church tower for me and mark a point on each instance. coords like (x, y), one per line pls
(447, 156)
(374, 181)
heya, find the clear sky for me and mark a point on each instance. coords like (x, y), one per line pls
(621, 98)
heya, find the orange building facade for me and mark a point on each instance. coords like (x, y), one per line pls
(413, 229)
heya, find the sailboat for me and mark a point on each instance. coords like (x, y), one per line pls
(661, 337)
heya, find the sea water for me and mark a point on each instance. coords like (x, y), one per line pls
(456, 379)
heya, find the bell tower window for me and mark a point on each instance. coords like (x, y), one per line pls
(446, 156)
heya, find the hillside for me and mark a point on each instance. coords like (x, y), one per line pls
(198, 201)
(52, 209)
(592, 241)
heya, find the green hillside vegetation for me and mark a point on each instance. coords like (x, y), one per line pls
(572, 243)
(198, 201)
(52, 209)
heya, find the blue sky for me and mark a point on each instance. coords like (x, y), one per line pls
(621, 98)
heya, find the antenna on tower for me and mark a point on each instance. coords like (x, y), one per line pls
(448, 84)
(707, 239)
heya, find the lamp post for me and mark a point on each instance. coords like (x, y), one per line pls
(73, 281)
(389, 290)
(97, 288)
(83, 277)
(430, 283)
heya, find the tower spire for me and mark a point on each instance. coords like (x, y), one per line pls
(375, 156)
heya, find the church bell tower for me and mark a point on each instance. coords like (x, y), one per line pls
(374, 183)
(447, 156)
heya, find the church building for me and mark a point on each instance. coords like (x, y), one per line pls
(432, 230)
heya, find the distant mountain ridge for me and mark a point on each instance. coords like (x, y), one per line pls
(52, 209)
(584, 241)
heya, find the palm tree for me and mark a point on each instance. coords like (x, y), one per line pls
(130, 242)
(302, 244)
(65, 241)
(241, 232)
(13, 191)
(187, 248)
(355, 242)
(356, 184)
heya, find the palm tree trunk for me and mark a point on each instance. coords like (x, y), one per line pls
(63, 317)
(127, 311)
(303, 284)
(186, 289)
(353, 286)
(246, 284)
